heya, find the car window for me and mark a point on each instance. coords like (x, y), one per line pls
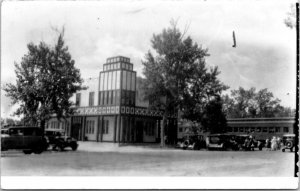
(214, 139)
(16, 132)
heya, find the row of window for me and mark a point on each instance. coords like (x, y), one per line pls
(259, 129)
(90, 127)
(116, 66)
(64, 125)
(110, 98)
(118, 59)
(111, 80)
(254, 129)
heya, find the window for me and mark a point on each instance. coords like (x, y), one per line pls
(127, 98)
(104, 98)
(271, 130)
(128, 80)
(265, 129)
(124, 73)
(123, 97)
(101, 81)
(99, 98)
(109, 81)
(105, 81)
(277, 129)
(113, 82)
(258, 129)
(180, 129)
(117, 97)
(107, 98)
(252, 129)
(229, 129)
(132, 82)
(78, 96)
(236, 129)
(285, 129)
(105, 127)
(241, 129)
(113, 97)
(91, 98)
(118, 76)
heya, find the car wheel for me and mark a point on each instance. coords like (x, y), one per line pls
(27, 152)
(74, 147)
(283, 150)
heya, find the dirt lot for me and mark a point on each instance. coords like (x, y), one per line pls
(94, 159)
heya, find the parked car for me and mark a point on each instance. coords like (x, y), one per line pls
(28, 139)
(192, 142)
(246, 142)
(222, 142)
(58, 140)
(288, 141)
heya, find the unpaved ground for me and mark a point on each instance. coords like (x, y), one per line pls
(93, 159)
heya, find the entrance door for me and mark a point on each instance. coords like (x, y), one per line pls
(139, 131)
(75, 131)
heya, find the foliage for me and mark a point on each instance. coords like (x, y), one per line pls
(290, 20)
(177, 77)
(214, 120)
(46, 79)
(249, 103)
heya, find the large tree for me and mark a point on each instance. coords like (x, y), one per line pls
(176, 75)
(249, 103)
(46, 79)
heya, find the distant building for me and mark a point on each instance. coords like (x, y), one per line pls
(111, 110)
(260, 128)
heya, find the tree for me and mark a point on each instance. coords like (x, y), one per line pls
(176, 74)
(46, 79)
(267, 105)
(214, 119)
(249, 103)
(290, 20)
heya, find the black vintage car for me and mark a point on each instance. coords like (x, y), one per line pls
(59, 141)
(288, 141)
(192, 142)
(246, 142)
(222, 142)
(28, 139)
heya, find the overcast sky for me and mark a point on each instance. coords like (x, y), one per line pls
(265, 56)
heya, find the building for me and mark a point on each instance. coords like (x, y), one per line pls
(111, 110)
(260, 128)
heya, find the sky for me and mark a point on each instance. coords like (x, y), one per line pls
(265, 56)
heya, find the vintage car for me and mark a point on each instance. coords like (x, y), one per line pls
(58, 140)
(288, 141)
(221, 142)
(192, 142)
(28, 139)
(245, 142)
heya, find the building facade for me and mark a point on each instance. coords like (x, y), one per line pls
(110, 109)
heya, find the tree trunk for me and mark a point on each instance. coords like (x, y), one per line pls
(42, 125)
(162, 130)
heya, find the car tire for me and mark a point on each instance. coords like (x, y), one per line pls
(283, 150)
(289, 144)
(74, 147)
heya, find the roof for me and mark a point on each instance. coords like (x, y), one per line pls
(289, 135)
(22, 127)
